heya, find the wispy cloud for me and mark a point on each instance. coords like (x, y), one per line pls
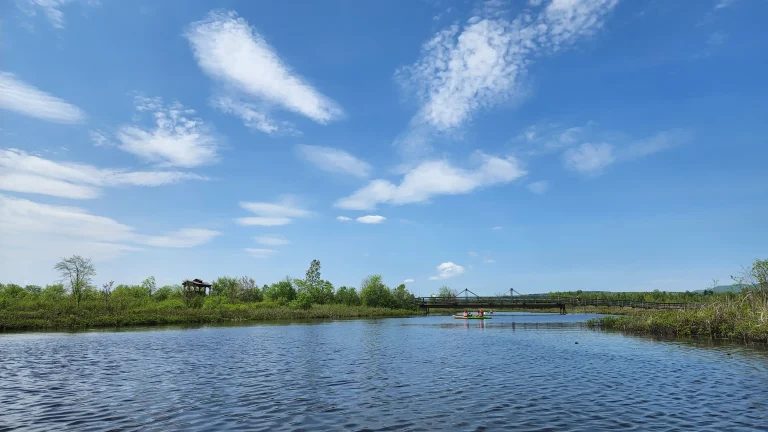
(233, 53)
(23, 98)
(722, 4)
(434, 178)
(36, 227)
(22, 172)
(50, 8)
(343, 219)
(260, 253)
(592, 159)
(447, 270)
(538, 187)
(176, 138)
(272, 214)
(497, 228)
(589, 158)
(472, 254)
(489, 260)
(407, 281)
(99, 138)
(271, 240)
(467, 68)
(334, 160)
(253, 117)
(371, 219)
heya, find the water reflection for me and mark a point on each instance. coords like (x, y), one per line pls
(515, 371)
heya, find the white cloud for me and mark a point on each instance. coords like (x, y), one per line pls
(434, 178)
(489, 260)
(334, 160)
(722, 4)
(589, 158)
(177, 138)
(253, 117)
(408, 281)
(539, 187)
(99, 138)
(497, 228)
(343, 219)
(22, 172)
(41, 228)
(467, 68)
(472, 254)
(447, 270)
(271, 240)
(371, 219)
(272, 214)
(232, 52)
(183, 238)
(23, 98)
(50, 8)
(260, 253)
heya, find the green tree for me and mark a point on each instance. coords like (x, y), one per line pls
(77, 271)
(33, 289)
(227, 287)
(281, 292)
(150, 285)
(446, 291)
(313, 274)
(106, 290)
(347, 296)
(402, 298)
(374, 293)
(249, 291)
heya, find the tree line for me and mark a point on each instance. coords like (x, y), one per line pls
(76, 290)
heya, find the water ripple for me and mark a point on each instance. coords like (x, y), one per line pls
(518, 372)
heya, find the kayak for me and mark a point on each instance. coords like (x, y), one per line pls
(471, 317)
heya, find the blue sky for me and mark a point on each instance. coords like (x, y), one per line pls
(540, 144)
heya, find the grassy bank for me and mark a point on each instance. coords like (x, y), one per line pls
(744, 318)
(53, 320)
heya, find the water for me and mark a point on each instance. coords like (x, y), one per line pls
(515, 372)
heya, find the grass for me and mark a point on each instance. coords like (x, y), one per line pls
(53, 320)
(743, 317)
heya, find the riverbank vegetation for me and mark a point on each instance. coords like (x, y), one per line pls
(740, 316)
(76, 303)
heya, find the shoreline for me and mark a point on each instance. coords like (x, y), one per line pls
(43, 320)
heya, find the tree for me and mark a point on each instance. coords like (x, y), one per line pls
(249, 291)
(77, 272)
(106, 290)
(149, 285)
(313, 274)
(446, 291)
(33, 289)
(226, 286)
(347, 296)
(281, 292)
(402, 298)
(374, 293)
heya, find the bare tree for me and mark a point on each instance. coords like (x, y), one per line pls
(77, 271)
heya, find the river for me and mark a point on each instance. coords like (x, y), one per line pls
(525, 372)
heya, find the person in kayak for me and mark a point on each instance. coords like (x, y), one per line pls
(465, 313)
(480, 313)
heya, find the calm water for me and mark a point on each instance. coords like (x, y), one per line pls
(514, 372)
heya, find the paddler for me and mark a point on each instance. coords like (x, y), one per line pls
(480, 313)
(465, 313)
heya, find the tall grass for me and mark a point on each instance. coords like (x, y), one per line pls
(743, 317)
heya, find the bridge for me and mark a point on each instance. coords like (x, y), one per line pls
(529, 302)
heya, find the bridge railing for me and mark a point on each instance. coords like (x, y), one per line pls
(502, 301)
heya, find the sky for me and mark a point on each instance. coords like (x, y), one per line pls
(538, 145)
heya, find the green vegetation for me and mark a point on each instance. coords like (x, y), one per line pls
(76, 303)
(742, 316)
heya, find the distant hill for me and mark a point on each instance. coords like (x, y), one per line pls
(725, 288)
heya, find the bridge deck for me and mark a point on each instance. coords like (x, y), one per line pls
(538, 302)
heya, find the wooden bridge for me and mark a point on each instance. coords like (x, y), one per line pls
(528, 302)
